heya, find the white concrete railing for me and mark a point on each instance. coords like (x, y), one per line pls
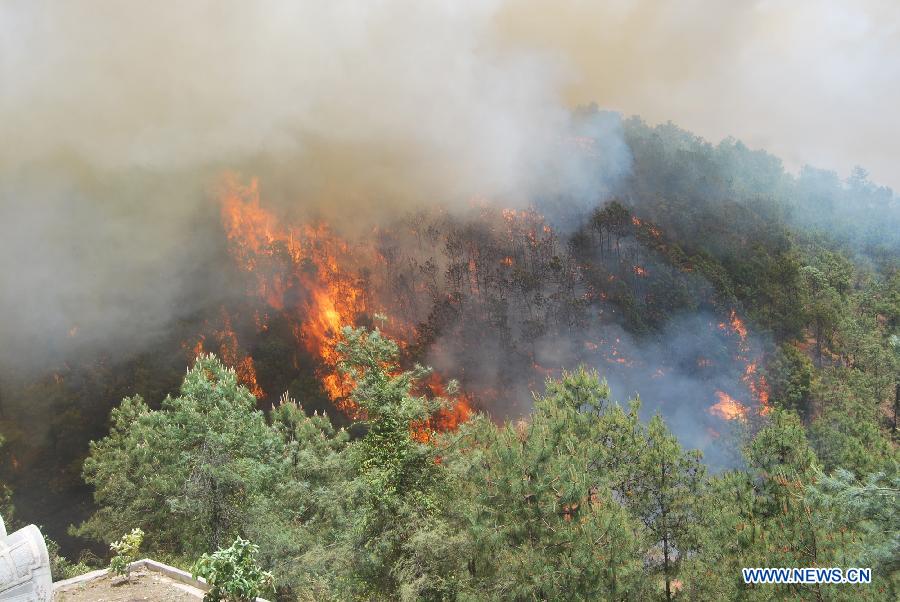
(24, 566)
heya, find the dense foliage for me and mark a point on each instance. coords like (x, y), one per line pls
(581, 500)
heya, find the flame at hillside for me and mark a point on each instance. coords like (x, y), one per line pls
(494, 297)
(727, 407)
(305, 272)
(296, 272)
(231, 354)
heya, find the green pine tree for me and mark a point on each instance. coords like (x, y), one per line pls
(188, 474)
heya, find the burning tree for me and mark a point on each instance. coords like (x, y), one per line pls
(308, 275)
(398, 480)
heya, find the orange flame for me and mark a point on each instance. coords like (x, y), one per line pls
(198, 349)
(304, 273)
(755, 382)
(737, 326)
(639, 223)
(232, 355)
(728, 408)
(297, 272)
(445, 419)
(758, 386)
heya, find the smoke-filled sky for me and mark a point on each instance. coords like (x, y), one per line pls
(476, 84)
(812, 81)
(115, 116)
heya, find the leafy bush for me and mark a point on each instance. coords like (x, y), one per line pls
(233, 574)
(60, 566)
(126, 550)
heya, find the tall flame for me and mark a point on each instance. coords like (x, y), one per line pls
(304, 272)
(231, 354)
(755, 382)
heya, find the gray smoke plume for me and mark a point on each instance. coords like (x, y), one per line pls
(118, 117)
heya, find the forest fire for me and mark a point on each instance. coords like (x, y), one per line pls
(646, 226)
(736, 325)
(446, 418)
(728, 407)
(230, 352)
(296, 273)
(233, 356)
(441, 300)
(300, 272)
(313, 282)
(755, 382)
(758, 387)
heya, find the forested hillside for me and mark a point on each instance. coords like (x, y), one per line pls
(713, 349)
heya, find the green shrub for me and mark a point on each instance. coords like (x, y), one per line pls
(126, 550)
(60, 566)
(233, 574)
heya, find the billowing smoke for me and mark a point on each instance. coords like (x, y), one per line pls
(362, 104)
(117, 118)
(679, 374)
(809, 80)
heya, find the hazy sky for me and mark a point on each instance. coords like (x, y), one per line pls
(475, 85)
(813, 81)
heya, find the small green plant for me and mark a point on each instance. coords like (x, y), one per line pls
(232, 573)
(60, 566)
(126, 550)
